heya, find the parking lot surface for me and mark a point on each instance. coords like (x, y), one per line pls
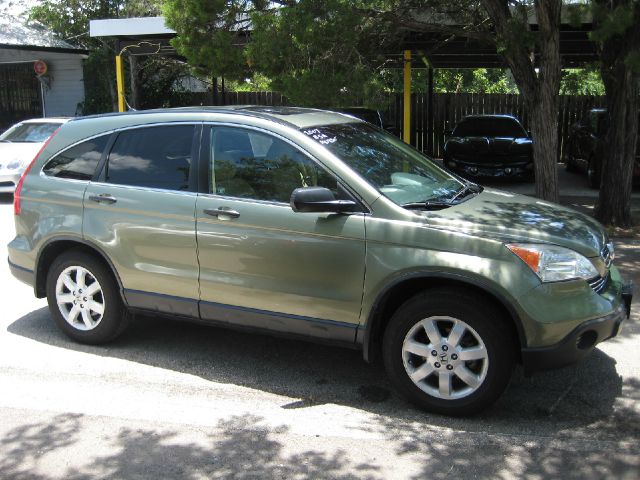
(177, 400)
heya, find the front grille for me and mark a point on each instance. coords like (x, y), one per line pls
(6, 184)
(599, 283)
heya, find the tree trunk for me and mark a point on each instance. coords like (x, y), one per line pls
(543, 122)
(619, 146)
(538, 82)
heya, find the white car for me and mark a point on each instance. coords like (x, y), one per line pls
(20, 144)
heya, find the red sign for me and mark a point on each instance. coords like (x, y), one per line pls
(40, 67)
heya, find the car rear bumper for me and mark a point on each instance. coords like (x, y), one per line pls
(581, 341)
(23, 274)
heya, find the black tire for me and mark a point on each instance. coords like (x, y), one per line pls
(114, 318)
(486, 322)
(594, 175)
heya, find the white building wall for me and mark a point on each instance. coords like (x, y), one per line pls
(66, 85)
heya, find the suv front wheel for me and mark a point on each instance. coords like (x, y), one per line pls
(449, 352)
(83, 298)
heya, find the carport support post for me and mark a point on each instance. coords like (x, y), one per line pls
(120, 83)
(406, 105)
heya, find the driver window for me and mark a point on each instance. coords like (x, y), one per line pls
(249, 164)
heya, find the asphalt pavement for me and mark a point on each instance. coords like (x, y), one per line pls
(178, 400)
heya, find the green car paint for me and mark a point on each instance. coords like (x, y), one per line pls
(321, 275)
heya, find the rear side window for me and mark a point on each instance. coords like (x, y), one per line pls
(152, 157)
(78, 162)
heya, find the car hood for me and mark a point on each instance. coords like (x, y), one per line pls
(22, 152)
(490, 146)
(509, 217)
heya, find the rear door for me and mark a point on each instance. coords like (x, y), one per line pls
(261, 264)
(140, 212)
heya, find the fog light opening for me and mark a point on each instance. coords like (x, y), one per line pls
(587, 340)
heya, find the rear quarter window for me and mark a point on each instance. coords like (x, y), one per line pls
(78, 162)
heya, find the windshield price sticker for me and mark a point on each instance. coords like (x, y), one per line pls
(319, 136)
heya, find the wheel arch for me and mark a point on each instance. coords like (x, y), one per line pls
(56, 246)
(400, 290)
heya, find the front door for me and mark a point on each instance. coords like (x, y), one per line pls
(261, 264)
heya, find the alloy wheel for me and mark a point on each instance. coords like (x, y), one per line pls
(80, 298)
(445, 357)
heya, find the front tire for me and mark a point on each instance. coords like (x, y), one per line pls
(84, 300)
(449, 352)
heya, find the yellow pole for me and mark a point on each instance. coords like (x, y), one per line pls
(120, 84)
(406, 130)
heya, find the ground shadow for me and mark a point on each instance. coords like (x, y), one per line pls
(6, 198)
(549, 402)
(241, 447)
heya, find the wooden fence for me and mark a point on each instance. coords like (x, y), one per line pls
(431, 119)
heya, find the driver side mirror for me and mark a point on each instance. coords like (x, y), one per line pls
(320, 200)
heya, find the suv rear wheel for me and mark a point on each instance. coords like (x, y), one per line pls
(83, 298)
(449, 352)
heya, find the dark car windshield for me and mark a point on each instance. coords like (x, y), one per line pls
(397, 170)
(30, 132)
(489, 127)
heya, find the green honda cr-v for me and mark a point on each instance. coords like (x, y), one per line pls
(317, 225)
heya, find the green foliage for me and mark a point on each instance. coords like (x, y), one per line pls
(208, 34)
(612, 21)
(317, 53)
(581, 81)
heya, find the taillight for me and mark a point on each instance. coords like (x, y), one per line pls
(16, 193)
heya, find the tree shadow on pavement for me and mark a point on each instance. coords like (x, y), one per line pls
(584, 396)
(238, 447)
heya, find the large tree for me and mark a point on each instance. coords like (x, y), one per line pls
(617, 34)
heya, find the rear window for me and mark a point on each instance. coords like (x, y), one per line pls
(489, 127)
(152, 157)
(78, 162)
(29, 132)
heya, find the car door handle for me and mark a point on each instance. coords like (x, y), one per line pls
(222, 212)
(103, 198)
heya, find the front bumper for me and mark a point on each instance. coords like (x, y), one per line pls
(581, 341)
(505, 168)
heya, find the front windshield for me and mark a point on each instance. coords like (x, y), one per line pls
(29, 132)
(398, 171)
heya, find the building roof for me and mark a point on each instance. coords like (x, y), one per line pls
(16, 32)
(440, 49)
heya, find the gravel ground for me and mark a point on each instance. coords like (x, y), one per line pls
(176, 400)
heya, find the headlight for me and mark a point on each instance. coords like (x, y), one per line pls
(14, 165)
(552, 263)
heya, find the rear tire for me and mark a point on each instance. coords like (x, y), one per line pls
(84, 300)
(449, 352)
